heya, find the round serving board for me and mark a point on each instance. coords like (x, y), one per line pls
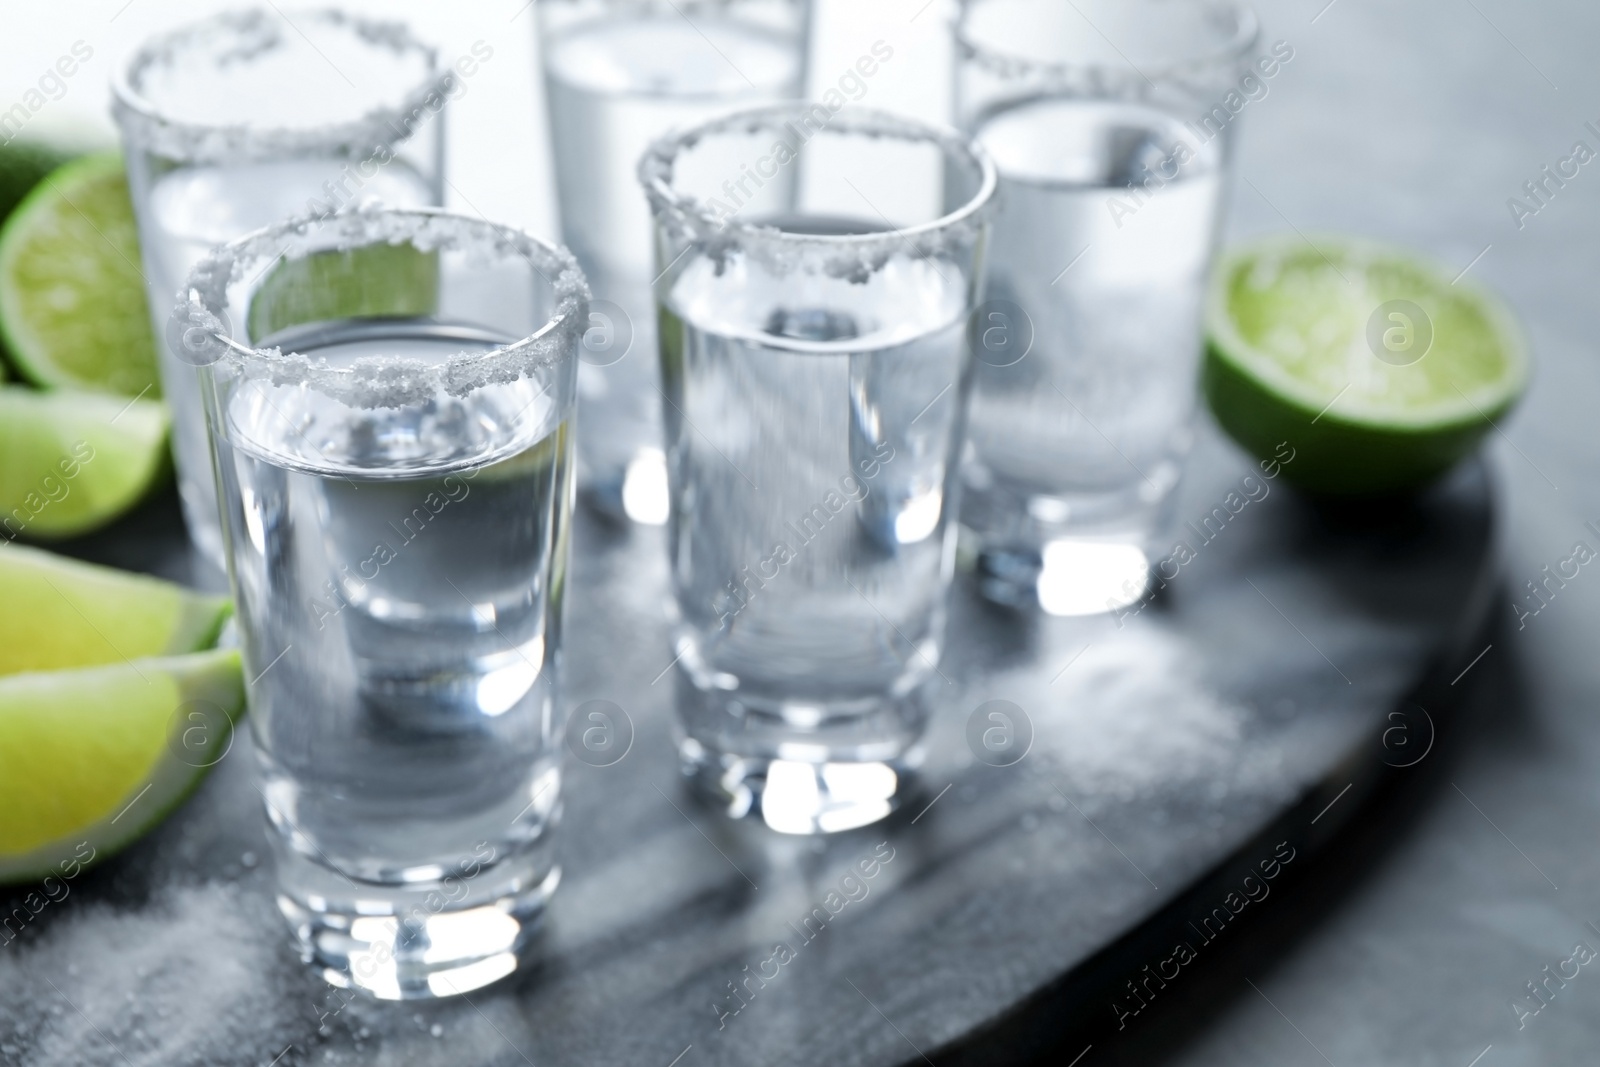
(1181, 758)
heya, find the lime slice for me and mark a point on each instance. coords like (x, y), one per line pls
(375, 281)
(1363, 362)
(72, 462)
(92, 758)
(72, 298)
(71, 614)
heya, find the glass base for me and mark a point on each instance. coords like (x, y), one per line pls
(417, 942)
(1067, 576)
(792, 797)
(1068, 553)
(635, 491)
(822, 761)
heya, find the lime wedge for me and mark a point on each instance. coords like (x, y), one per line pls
(72, 297)
(372, 282)
(92, 758)
(72, 462)
(1364, 362)
(71, 614)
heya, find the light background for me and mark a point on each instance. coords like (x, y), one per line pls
(498, 152)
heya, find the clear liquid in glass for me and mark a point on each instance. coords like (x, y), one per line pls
(408, 564)
(614, 84)
(811, 428)
(1107, 218)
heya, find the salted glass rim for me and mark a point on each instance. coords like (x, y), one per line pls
(150, 126)
(656, 167)
(202, 319)
(1227, 52)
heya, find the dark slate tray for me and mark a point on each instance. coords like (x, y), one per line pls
(1254, 701)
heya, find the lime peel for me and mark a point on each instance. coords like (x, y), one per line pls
(90, 756)
(1310, 342)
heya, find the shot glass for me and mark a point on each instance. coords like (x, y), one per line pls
(1110, 122)
(815, 367)
(389, 395)
(234, 122)
(618, 74)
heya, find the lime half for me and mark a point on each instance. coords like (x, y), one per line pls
(1364, 363)
(92, 758)
(70, 614)
(72, 462)
(72, 296)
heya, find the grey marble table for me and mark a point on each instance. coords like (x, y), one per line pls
(1412, 944)
(1186, 762)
